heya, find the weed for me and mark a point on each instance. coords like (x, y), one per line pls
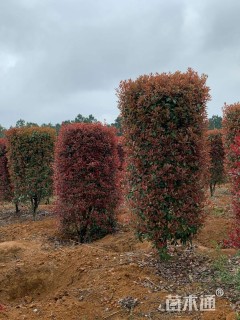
(225, 273)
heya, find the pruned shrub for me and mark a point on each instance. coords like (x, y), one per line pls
(231, 125)
(235, 177)
(231, 129)
(233, 240)
(5, 184)
(217, 154)
(30, 156)
(86, 180)
(164, 123)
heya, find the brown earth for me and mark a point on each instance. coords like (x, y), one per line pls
(117, 277)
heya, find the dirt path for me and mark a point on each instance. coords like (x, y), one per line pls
(114, 278)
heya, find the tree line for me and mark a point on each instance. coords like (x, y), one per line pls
(78, 119)
(215, 122)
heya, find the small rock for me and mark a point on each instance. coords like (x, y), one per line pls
(28, 299)
(128, 302)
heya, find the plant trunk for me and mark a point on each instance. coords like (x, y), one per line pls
(211, 189)
(17, 208)
(34, 202)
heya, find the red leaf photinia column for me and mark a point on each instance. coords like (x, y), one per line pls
(86, 180)
(30, 156)
(5, 184)
(164, 124)
(235, 175)
(231, 129)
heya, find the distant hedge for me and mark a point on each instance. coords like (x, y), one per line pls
(30, 155)
(86, 180)
(217, 155)
(164, 122)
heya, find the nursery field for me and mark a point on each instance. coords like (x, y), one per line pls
(44, 276)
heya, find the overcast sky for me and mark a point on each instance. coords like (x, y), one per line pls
(59, 58)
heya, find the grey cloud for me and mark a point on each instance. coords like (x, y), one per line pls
(59, 58)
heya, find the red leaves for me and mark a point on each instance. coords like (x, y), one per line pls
(235, 177)
(164, 119)
(5, 185)
(86, 180)
(234, 239)
(231, 127)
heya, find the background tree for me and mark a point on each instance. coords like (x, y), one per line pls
(81, 119)
(118, 125)
(22, 123)
(2, 131)
(215, 122)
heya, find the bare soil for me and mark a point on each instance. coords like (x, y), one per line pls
(44, 277)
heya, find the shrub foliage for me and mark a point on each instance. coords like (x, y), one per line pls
(235, 174)
(164, 122)
(86, 180)
(5, 184)
(30, 155)
(217, 154)
(231, 127)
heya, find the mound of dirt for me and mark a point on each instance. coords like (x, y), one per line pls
(43, 277)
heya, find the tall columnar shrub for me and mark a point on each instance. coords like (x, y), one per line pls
(217, 154)
(231, 129)
(231, 125)
(234, 236)
(5, 184)
(30, 155)
(164, 122)
(86, 180)
(235, 173)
